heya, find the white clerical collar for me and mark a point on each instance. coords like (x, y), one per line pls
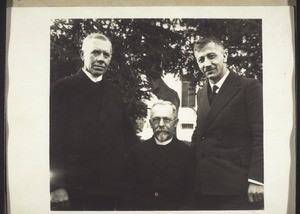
(93, 78)
(163, 143)
(220, 82)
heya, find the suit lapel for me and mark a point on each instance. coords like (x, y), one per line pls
(228, 90)
(204, 101)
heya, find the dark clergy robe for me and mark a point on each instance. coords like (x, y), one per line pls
(161, 177)
(89, 138)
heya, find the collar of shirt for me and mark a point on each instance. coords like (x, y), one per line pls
(163, 143)
(220, 82)
(93, 78)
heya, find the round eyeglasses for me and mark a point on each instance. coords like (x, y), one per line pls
(166, 120)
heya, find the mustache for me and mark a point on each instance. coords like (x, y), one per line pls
(208, 68)
(161, 130)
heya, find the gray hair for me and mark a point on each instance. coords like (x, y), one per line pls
(94, 36)
(164, 103)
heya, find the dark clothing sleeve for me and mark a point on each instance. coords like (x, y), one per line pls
(255, 116)
(58, 119)
(130, 137)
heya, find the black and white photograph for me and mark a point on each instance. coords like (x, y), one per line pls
(151, 110)
(200, 150)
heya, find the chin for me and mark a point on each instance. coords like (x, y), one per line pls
(98, 73)
(162, 137)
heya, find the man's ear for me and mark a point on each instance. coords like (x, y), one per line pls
(150, 122)
(81, 54)
(176, 122)
(225, 55)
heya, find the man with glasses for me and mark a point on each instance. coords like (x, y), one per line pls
(161, 169)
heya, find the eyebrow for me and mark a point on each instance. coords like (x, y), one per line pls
(206, 54)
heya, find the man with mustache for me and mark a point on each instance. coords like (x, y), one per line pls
(90, 134)
(228, 138)
(161, 169)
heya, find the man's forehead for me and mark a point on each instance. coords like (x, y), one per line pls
(98, 43)
(162, 110)
(210, 47)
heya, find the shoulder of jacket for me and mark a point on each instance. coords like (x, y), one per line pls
(140, 146)
(243, 79)
(183, 145)
(249, 82)
(61, 84)
(111, 86)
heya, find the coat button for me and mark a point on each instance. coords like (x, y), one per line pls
(203, 138)
(156, 194)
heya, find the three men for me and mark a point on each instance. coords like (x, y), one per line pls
(90, 134)
(161, 169)
(228, 138)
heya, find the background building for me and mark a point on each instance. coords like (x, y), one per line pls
(186, 93)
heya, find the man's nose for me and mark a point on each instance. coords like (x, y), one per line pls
(206, 63)
(100, 57)
(161, 122)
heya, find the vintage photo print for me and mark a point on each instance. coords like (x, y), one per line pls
(144, 57)
(150, 109)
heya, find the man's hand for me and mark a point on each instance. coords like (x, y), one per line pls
(255, 193)
(59, 195)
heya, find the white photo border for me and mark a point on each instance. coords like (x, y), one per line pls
(28, 83)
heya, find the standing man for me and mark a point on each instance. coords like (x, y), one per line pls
(90, 134)
(161, 169)
(228, 138)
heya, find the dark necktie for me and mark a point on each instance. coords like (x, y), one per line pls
(213, 94)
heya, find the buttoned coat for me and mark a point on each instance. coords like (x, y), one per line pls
(160, 183)
(228, 138)
(89, 138)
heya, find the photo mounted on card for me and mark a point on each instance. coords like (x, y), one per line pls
(151, 108)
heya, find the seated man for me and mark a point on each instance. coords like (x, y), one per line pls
(161, 169)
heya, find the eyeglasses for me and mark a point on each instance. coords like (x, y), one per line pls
(166, 120)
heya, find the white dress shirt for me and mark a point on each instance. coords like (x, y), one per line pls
(220, 82)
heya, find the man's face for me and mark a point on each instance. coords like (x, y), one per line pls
(163, 122)
(96, 55)
(211, 60)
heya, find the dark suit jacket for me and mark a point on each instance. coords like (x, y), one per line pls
(160, 182)
(90, 137)
(229, 137)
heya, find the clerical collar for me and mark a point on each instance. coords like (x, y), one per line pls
(163, 143)
(93, 78)
(220, 82)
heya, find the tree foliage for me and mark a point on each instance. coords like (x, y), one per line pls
(143, 49)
